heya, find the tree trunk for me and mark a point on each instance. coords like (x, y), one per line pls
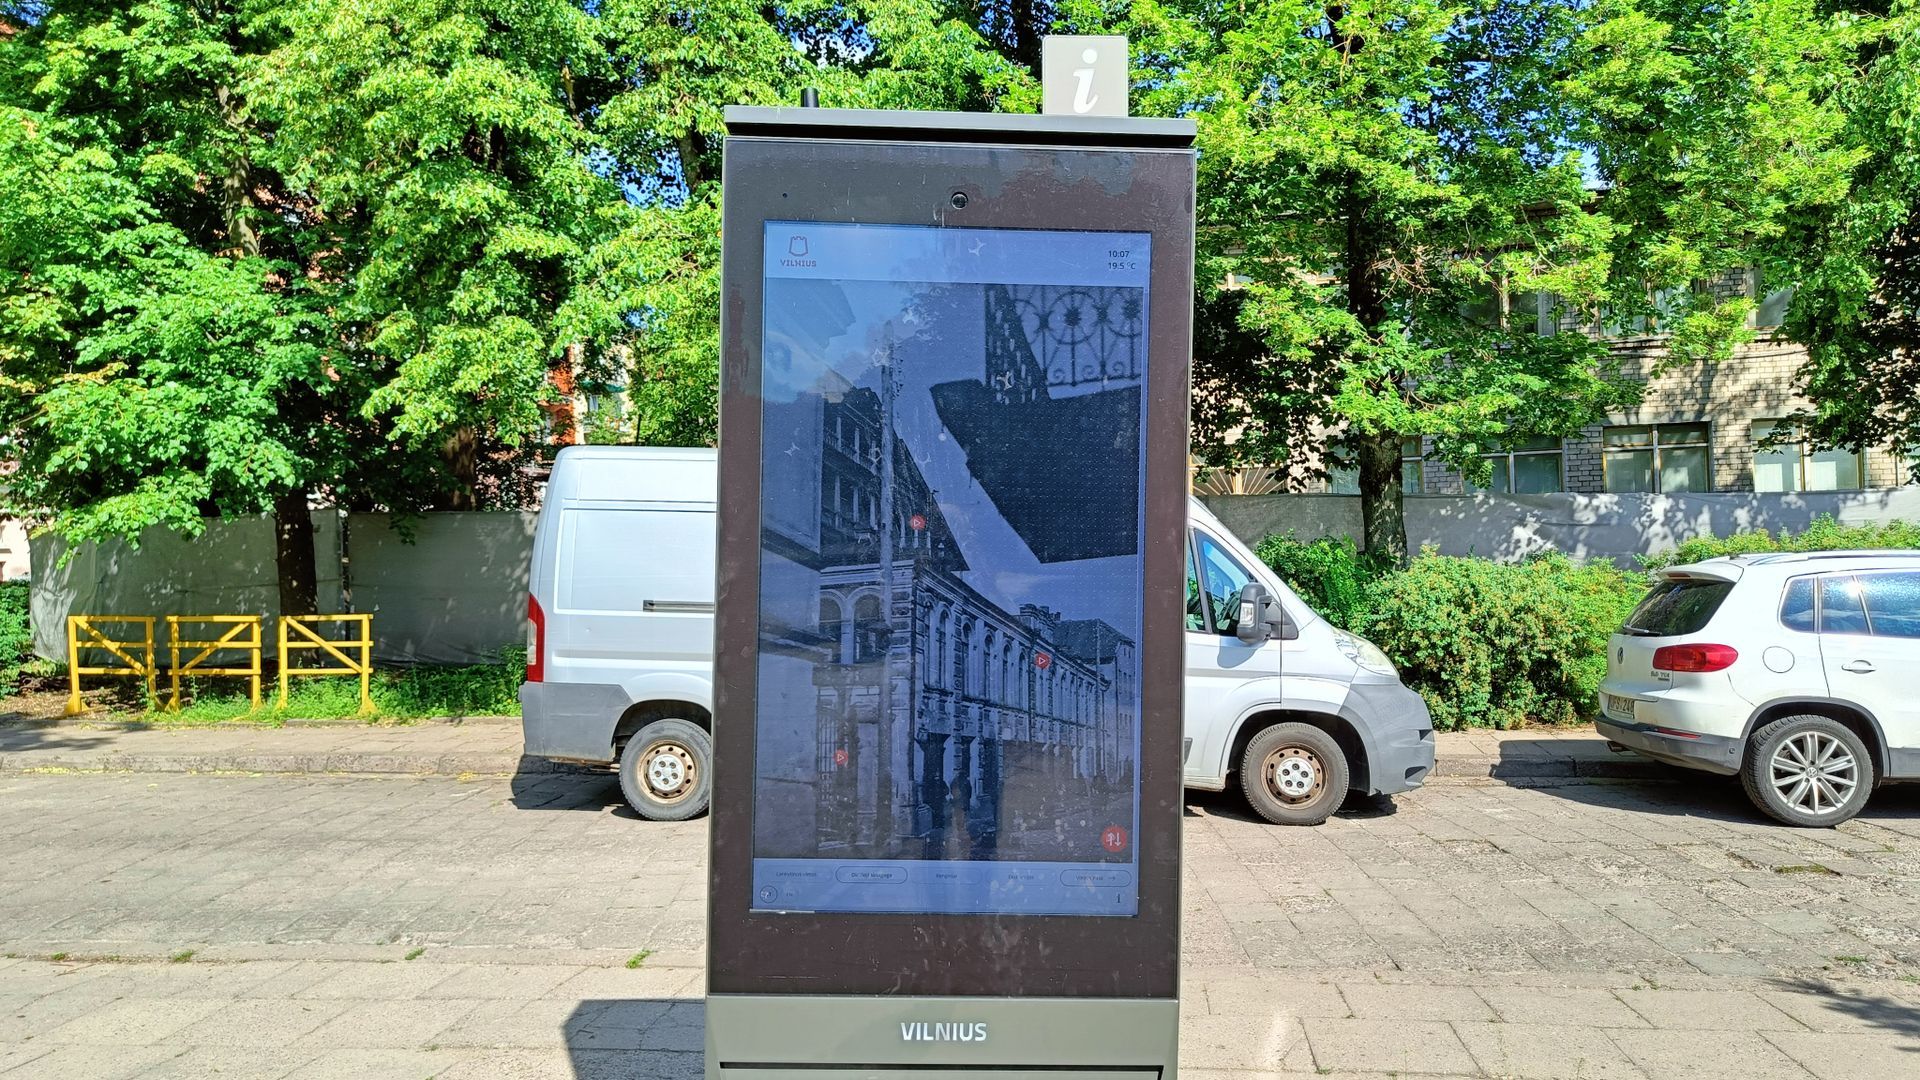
(1383, 518)
(293, 554)
(1383, 521)
(461, 452)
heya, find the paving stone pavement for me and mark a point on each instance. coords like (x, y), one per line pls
(353, 928)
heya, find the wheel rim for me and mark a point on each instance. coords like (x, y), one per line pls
(669, 771)
(1814, 772)
(1294, 775)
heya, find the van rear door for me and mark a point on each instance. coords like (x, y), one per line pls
(633, 592)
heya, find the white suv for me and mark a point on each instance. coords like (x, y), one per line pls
(1799, 672)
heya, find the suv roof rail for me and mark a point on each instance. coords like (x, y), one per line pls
(1764, 558)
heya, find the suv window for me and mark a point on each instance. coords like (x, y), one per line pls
(1840, 610)
(1680, 606)
(1796, 606)
(1221, 579)
(1893, 603)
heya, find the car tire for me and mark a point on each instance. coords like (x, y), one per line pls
(1798, 768)
(666, 770)
(1294, 774)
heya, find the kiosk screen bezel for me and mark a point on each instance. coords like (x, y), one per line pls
(894, 179)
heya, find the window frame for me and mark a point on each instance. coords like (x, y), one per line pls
(1212, 624)
(1658, 449)
(1803, 452)
(1558, 450)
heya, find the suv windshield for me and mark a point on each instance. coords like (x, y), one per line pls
(1677, 607)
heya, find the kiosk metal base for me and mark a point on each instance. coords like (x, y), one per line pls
(752, 1037)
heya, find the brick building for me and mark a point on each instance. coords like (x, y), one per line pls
(1697, 428)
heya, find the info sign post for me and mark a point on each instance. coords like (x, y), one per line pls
(947, 797)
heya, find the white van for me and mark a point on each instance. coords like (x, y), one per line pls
(1294, 710)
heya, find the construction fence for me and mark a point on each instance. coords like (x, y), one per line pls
(456, 595)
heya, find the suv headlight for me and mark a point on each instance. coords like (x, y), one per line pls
(1364, 653)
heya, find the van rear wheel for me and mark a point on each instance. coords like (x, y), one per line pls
(1294, 774)
(666, 770)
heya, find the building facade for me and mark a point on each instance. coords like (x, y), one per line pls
(1699, 427)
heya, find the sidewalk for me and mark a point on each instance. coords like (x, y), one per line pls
(491, 747)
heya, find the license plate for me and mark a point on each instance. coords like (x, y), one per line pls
(1618, 706)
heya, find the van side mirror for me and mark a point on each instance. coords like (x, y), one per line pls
(1261, 617)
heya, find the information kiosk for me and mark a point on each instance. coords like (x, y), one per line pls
(953, 482)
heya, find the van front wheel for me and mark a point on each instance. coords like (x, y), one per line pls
(1294, 774)
(666, 770)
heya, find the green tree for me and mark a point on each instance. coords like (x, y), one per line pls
(1856, 303)
(164, 335)
(1395, 182)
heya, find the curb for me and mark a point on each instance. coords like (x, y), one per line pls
(490, 763)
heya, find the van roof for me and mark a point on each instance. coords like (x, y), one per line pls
(656, 474)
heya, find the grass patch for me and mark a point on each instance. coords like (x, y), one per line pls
(180, 957)
(1851, 959)
(399, 695)
(638, 958)
(1806, 868)
(416, 953)
(57, 957)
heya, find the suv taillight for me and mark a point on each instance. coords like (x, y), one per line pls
(1694, 657)
(536, 641)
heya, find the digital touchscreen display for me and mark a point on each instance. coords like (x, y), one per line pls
(948, 706)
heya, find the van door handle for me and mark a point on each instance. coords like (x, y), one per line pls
(1858, 667)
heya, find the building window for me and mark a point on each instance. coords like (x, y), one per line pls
(1666, 458)
(1529, 466)
(1345, 479)
(1792, 464)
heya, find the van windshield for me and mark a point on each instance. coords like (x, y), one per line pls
(1679, 606)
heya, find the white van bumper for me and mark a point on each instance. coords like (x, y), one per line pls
(571, 721)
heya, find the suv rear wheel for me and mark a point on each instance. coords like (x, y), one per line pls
(1294, 774)
(1808, 770)
(666, 770)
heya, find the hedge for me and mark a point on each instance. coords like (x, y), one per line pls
(1499, 644)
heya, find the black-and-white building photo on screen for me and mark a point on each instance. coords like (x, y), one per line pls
(950, 570)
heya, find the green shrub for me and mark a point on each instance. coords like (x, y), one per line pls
(1497, 645)
(16, 634)
(1330, 574)
(1823, 534)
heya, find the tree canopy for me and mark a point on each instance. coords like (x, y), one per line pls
(260, 256)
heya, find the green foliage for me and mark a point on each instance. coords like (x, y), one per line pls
(1498, 645)
(1330, 573)
(16, 634)
(1398, 182)
(1856, 271)
(1824, 534)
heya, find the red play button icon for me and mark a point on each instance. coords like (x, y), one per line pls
(1043, 661)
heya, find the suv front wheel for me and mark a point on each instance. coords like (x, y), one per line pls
(1811, 771)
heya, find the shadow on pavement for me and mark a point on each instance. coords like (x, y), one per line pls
(584, 790)
(1674, 791)
(1897, 1018)
(18, 735)
(1230, 804)
(655, 1038)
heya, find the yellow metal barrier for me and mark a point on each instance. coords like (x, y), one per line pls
(83, 633)
(243, 635)
(303, 632)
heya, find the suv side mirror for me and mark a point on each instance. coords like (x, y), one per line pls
(1261, 617)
